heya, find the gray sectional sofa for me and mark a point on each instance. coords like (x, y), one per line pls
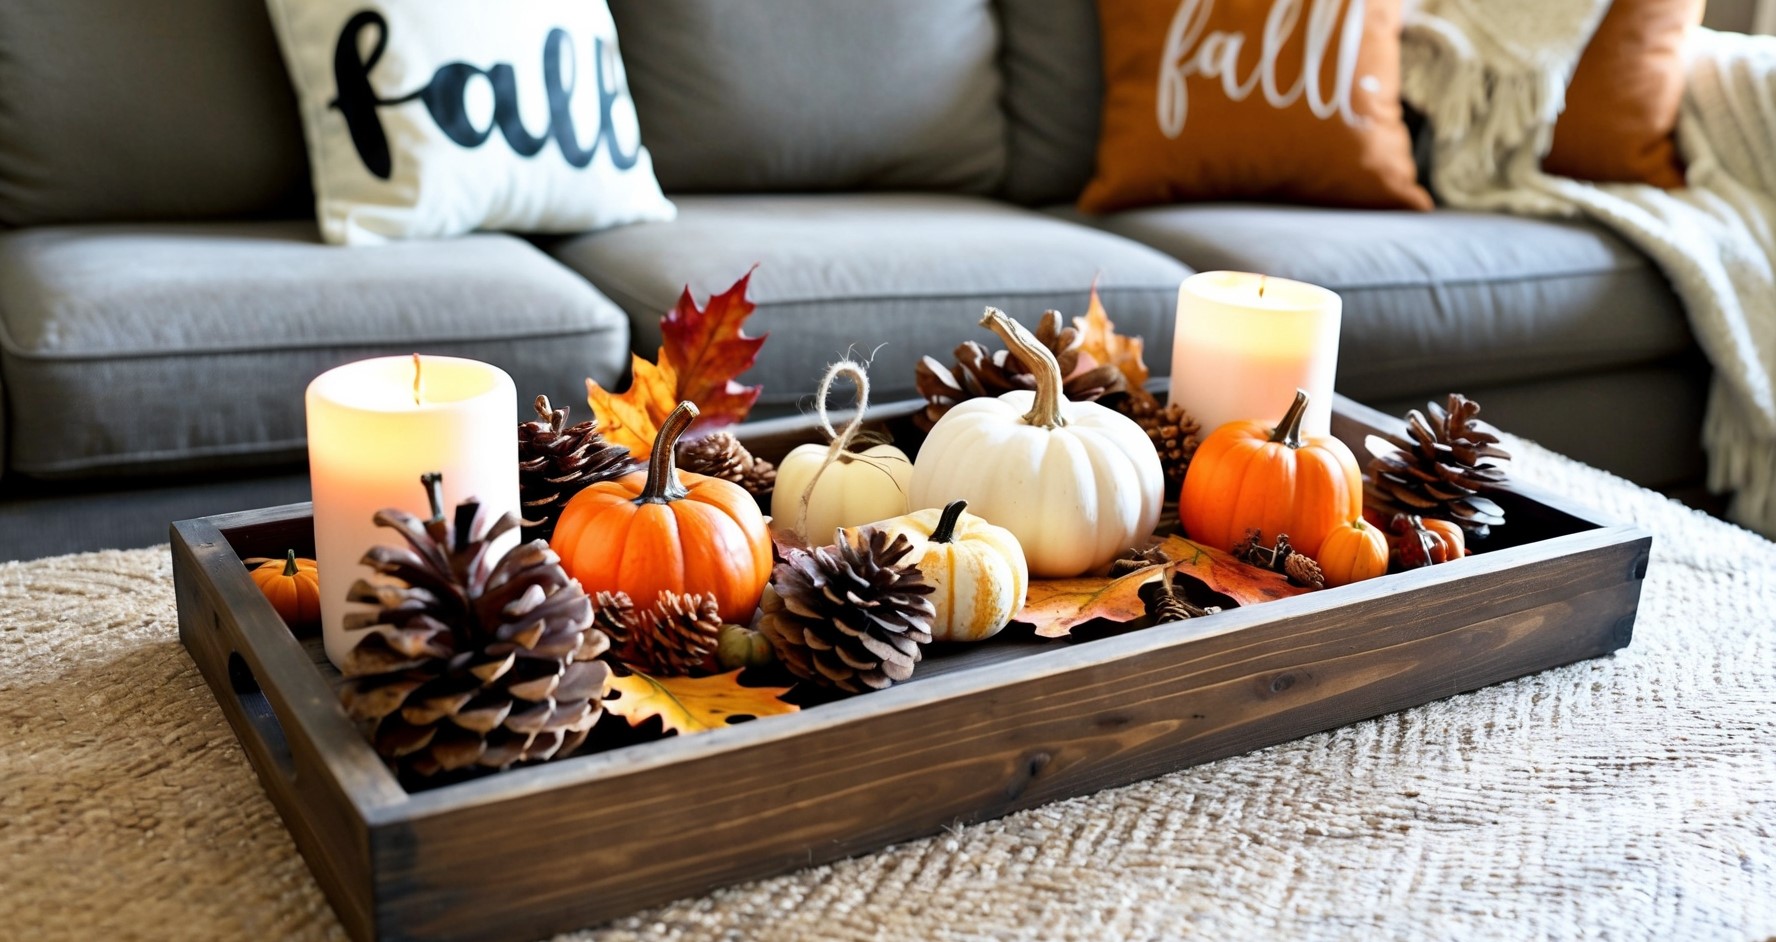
(889, 169)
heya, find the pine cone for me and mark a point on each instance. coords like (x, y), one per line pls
(850, 616)
(677, 637)
(1439, 470)
(1303, 571)
(614, 614)
(470, 664)
(1173, 431)
(760, 479)
(720, 455)
(556, 462)
(980, 372)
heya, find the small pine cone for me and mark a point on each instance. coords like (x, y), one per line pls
(716, 455)
(760, 479)
(555, 462)
(677, 637)
(850, 616)
(1303, 571)
(614, 614)
(1440, 467)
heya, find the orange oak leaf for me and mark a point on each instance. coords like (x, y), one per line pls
(1057, 606)
(1100, 341)
(633, 418)
(707, 348)
(693, 704)
(1247, 585)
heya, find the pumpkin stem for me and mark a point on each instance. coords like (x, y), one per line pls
(290, 564)
(1045, 412)
(663, 486)
(1288, 431)
(946, 524)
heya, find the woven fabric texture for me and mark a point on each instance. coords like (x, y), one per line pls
(1630, 797)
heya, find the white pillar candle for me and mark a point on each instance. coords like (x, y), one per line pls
(374, 427)
(1244, 343)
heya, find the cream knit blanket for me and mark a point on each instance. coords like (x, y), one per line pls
(1491, 77)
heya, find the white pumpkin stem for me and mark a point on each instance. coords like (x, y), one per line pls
(838, 442)
(663, 485)
(1045, 412)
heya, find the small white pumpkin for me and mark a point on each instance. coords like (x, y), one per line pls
(857, 488)
(1076, 482)
(977, 569)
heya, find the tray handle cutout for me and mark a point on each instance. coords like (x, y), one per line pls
(260, 714)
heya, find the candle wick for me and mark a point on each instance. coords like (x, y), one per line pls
(1261, 280)
(418, 383)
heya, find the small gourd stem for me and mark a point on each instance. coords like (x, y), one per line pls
(1045, 412)
(946, 524)
(662, 485)
(290, 564)
(1288, 431)
(434, 485)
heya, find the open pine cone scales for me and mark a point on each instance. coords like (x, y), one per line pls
(1441, 466)
(720, 455)
(850, 616)
(471, 663)
(556, 461)
(979, 372)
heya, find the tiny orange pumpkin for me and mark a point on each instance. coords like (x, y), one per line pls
(1247, 476)
(1425, 541)
(1352, 553)
(664, 529)
(292, 586)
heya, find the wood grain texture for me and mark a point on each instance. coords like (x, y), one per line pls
(979, 732)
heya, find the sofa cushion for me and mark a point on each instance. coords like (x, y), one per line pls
(127, 348)
(907, 273)
(1440, 300)
(1054, 90)
(806, 95)
(150, 109)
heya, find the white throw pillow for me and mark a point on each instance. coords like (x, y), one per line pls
(430, 118)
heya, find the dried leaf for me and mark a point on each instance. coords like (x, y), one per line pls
(1057, 606)
(1247, 585)
(633, 418)
(707, 348)
(1100, 341)
(693, 704)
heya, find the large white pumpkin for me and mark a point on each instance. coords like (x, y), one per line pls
(857, 488)
(1075, 482)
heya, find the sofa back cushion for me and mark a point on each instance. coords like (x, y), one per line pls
(809, 95)
(146, 109)
(1054, 92)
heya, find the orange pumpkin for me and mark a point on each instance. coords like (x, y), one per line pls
(1352, 553)
(1246, 476)
(292, 586)
(1424, 541)
(666, 529)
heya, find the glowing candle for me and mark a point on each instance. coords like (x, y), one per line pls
(374, 427)
(1244, 343)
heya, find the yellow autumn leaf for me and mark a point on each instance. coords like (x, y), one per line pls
(1056, 606)
(1100, 341)
(633, 417)
(693, 704)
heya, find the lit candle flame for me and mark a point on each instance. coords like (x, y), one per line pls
(418, 382)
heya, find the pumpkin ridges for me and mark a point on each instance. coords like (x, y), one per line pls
(708, 536)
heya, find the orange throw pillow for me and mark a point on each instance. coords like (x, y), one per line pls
(1287, 100)
(1621, 106)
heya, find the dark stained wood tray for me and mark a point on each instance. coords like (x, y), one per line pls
(979, 732)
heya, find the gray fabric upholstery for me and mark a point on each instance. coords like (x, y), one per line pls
(1054, 90)
(1440, 300)
(806, 95)
(147, 109)
(180, 346)
(838, 273)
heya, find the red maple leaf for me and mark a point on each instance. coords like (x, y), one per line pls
(707, 348)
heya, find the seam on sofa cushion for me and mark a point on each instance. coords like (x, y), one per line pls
(12, 350)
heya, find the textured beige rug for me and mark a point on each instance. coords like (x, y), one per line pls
(1625, 798)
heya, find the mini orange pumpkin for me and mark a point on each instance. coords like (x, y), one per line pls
(1352, 553)
(292, 586)
(666, 529)
(1425, 541)
(1246, 476)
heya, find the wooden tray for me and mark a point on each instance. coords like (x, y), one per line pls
(977, 733)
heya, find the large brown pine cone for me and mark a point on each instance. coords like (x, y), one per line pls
(555, 462)
(980, 372)
(1441, 466)
(850, 616)
(470, 664)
